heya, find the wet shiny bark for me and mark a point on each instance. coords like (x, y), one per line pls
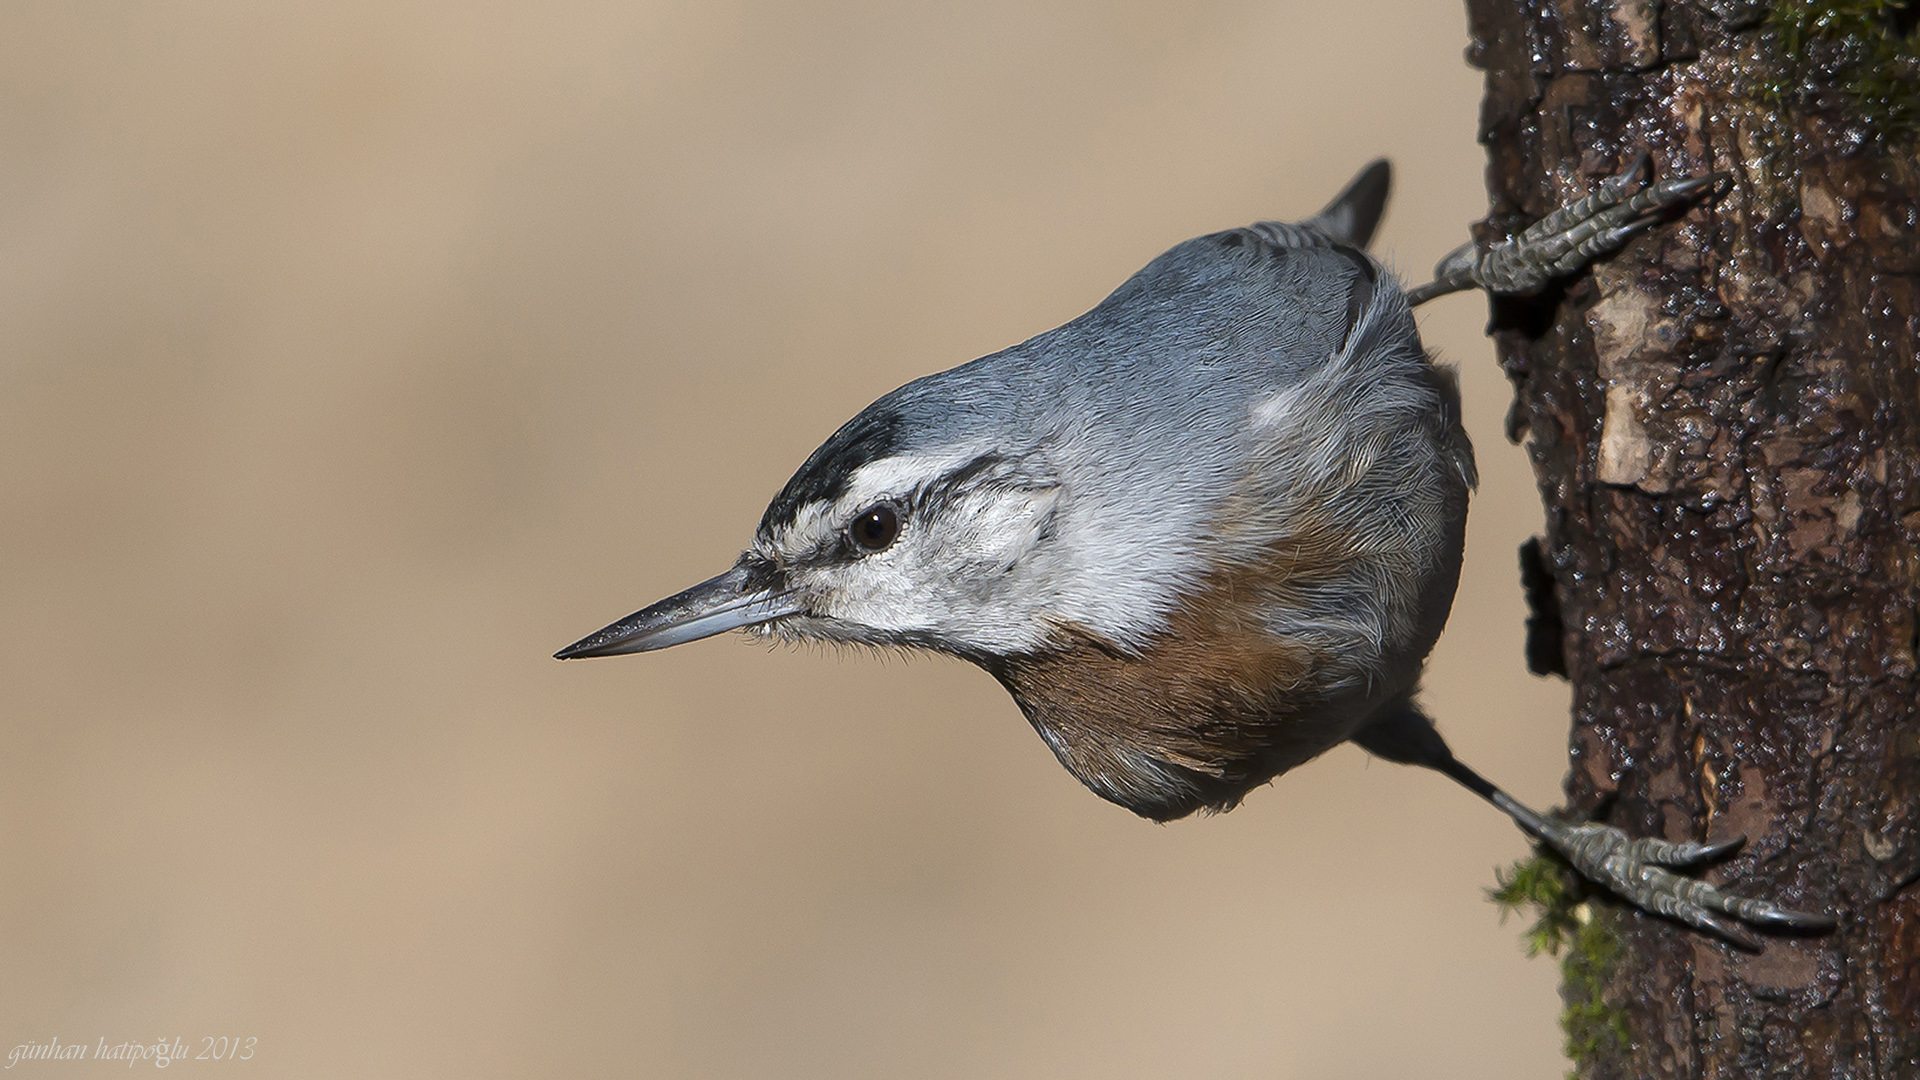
(1724, 421)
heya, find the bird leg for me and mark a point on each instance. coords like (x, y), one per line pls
(1638, 871)
(1565, 240)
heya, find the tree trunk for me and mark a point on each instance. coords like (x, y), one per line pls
(1725, 423)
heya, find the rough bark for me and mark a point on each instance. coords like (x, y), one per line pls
(1725, 423)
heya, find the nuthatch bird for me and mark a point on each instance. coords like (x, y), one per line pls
(1202, 534)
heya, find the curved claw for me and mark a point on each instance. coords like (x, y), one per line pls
(1668, 192)
(1636, 167)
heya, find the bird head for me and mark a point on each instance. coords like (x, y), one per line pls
(900, 530)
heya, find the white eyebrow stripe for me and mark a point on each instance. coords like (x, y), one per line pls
(900, 475)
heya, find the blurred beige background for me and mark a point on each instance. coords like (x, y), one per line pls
(359, 355)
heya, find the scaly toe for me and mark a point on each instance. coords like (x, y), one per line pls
(1667, 853)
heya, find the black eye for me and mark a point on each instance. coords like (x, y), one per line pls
(875, 528)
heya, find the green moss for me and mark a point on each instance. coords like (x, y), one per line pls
(1594, 1027)
(1568, 926)
(1867, 50)
(1544, 887)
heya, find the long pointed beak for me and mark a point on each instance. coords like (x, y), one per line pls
(714, 606)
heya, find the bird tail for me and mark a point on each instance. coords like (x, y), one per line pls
(1355, 213)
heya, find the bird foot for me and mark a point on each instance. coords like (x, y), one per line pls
(1565, 240)
(1638, 871)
